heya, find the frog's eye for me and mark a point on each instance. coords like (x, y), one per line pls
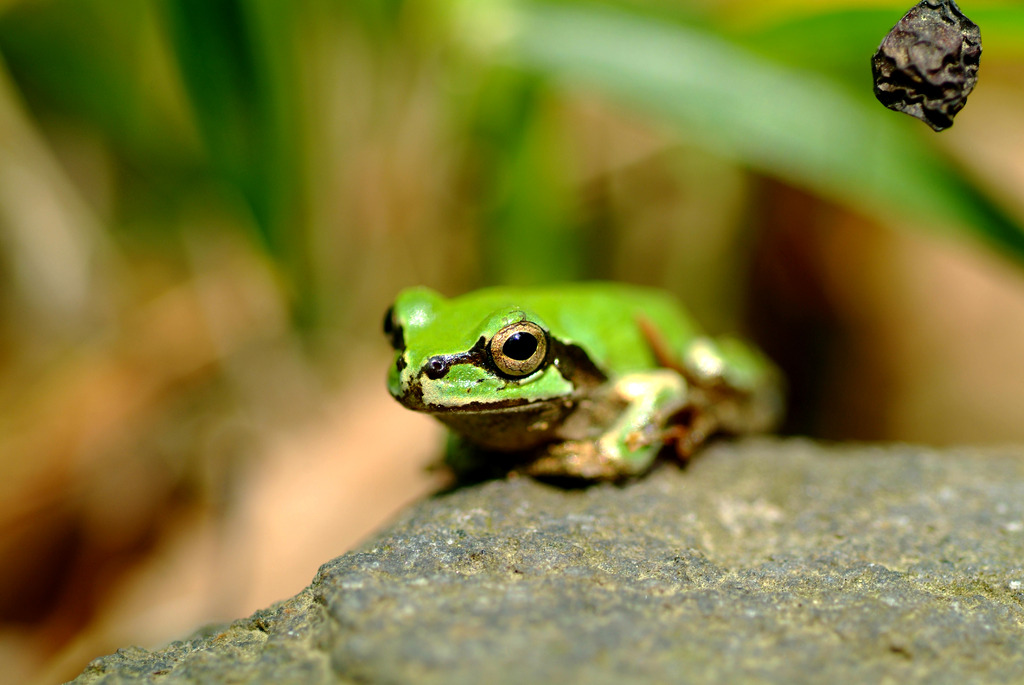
(519, 349)
(392, 330)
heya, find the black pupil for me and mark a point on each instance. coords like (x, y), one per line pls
(520, 346)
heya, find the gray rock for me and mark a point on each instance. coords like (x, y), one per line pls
(769, 561)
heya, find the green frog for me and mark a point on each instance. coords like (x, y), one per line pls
(586, 380)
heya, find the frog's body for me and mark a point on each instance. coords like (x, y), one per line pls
(587, 380)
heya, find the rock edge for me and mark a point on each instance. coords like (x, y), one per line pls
(765, 560)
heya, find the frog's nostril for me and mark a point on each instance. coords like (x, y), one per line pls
(436, 367)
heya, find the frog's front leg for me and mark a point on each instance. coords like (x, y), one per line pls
(630, 444)
(739, 386)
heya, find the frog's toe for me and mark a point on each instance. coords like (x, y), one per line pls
(575, 459)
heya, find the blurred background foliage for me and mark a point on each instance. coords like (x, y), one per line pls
(205, 208)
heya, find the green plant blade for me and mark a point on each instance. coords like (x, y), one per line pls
(235, 60)
(794, 124)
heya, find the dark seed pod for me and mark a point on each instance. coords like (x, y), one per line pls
(928, 64)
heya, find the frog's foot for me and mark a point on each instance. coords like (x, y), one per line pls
(575, 459)
(688, 430)
(629, 446)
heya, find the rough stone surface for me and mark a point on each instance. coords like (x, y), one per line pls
(769, 561)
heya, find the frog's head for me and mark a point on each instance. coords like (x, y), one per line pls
(469, 354)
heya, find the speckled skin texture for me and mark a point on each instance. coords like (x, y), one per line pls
(769, 561)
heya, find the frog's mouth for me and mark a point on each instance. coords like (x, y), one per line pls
(412, 397)
(511, 427)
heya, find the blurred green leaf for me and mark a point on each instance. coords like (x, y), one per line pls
(530, 236)
(237, 62)
(381, 17)
(781, 120)
(96, 62)
(1002, 30)
(840, 42)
